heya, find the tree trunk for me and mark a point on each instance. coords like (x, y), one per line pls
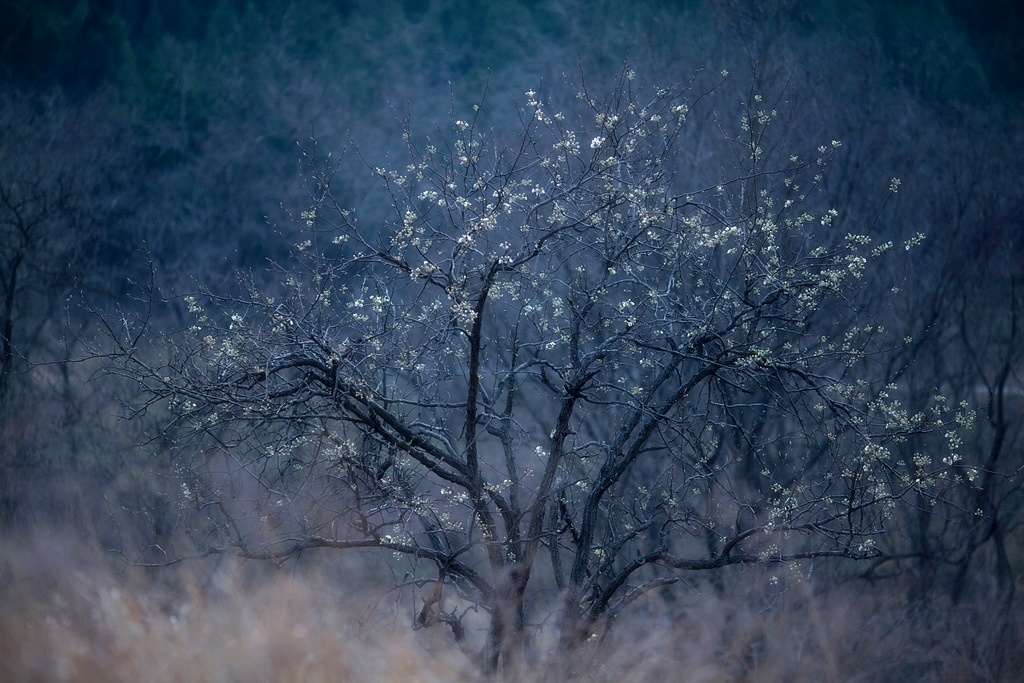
(506, 638)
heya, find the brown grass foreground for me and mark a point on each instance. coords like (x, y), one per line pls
(66, 617)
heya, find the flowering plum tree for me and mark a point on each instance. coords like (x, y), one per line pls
(581, 362)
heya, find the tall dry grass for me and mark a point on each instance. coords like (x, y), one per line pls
(66, 616)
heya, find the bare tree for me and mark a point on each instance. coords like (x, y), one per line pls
(39, 189)
(966, 320)
(564, 365)
(59, 165)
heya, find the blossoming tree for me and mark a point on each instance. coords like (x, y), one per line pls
(582, 364)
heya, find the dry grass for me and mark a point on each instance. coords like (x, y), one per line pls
(66, 617)
(814, 635)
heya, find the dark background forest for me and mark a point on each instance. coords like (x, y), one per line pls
(161, 138)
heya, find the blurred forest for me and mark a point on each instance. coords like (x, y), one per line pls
(160, 140)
